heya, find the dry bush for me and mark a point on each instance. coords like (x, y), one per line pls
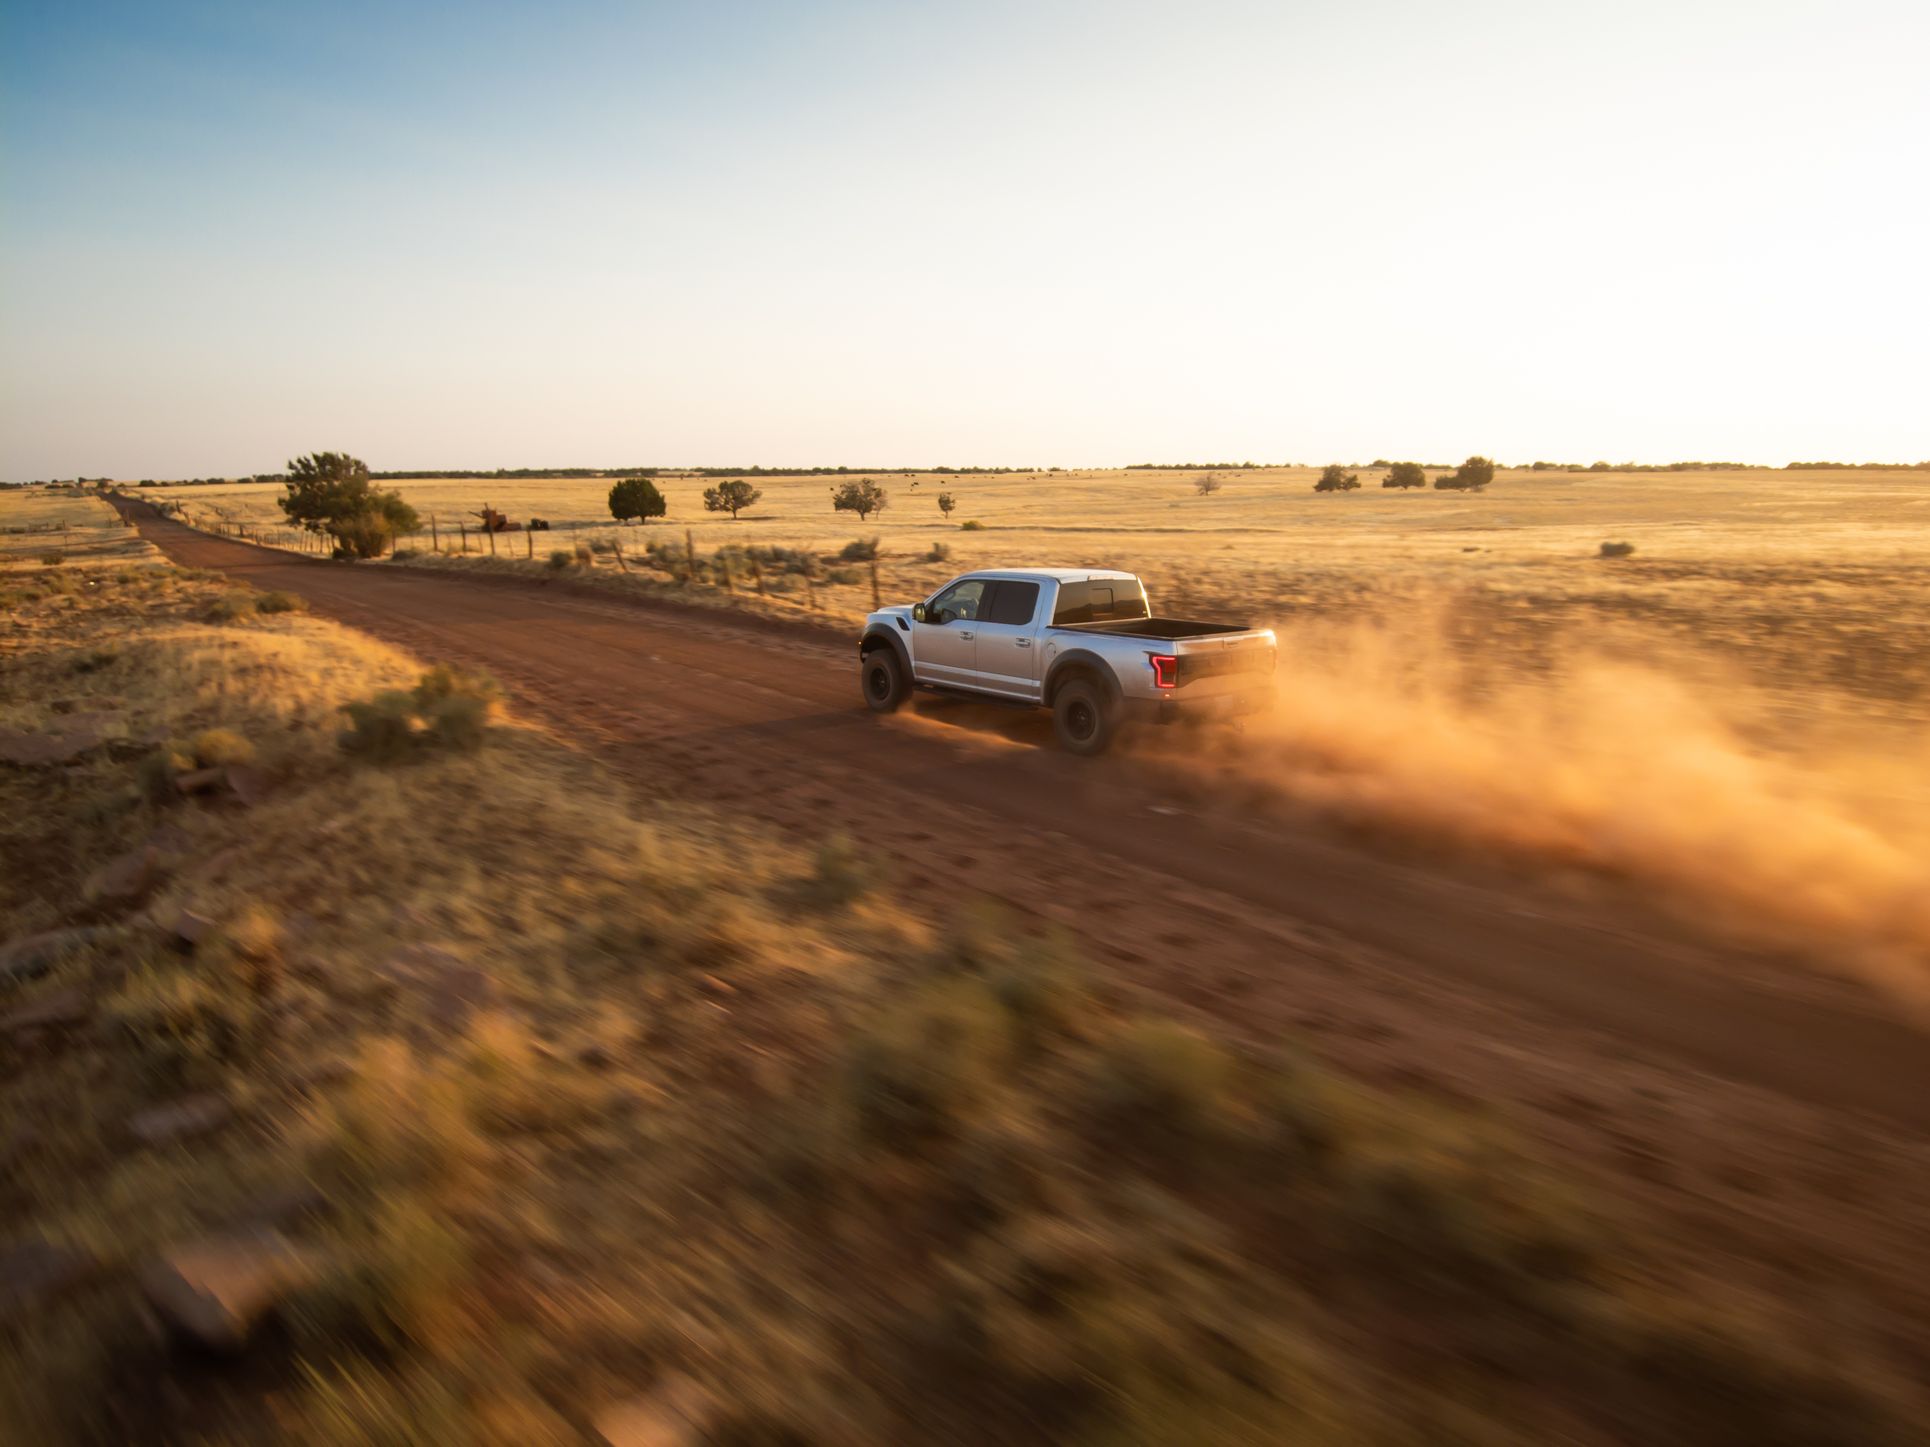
(279, 602)
(235, 607)
(219, 748)
(448, 709)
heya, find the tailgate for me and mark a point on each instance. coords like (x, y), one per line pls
(1238, 663)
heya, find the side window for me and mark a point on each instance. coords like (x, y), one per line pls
(958, 602)
(1072, 607)
(1013, 603)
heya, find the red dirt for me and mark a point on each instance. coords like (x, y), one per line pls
(1766, 1112)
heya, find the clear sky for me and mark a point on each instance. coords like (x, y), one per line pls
(1048, 232)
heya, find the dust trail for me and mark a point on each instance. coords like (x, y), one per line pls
(1799, 826)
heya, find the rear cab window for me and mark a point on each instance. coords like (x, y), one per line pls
(1100, 600)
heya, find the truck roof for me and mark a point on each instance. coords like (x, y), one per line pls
(1057, 575)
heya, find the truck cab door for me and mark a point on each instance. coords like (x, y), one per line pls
(944, 642)
(1008, 654)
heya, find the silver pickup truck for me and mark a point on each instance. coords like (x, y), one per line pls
(1079, 641)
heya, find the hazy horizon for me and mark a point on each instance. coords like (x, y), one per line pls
(1059, 234)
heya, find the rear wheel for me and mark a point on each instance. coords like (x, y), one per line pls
(883, 678)
(1082, 716)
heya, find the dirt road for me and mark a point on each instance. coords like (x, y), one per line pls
(1688, 1072)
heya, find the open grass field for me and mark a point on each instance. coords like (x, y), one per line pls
(1806, 578)
(379, 1067)
(1734, 713)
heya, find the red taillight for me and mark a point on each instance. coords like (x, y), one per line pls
(1165, 670)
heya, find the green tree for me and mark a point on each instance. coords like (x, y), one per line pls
(330, 493)
(1471, 476)
(862, 496)
(730, 497)
(1404, 474)
(1335, 478)
(636, 497)
(946, 502)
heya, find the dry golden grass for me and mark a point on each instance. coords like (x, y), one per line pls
(1737, 714)
(597, 1096)
(1815, 577)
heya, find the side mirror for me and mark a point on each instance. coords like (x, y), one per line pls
(918, 613)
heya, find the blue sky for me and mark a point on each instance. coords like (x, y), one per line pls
(1046, 233)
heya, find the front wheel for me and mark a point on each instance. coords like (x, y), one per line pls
(1082, 716)
(883, 678)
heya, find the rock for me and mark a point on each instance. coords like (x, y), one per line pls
(33, 1273)
(186, 927)
(217, 1290)
(53, 1012)
(201, 781)
(36, 751)
(249, 785)
(190, 1116)
(673, 1414)
(449, 986)
(32, 956)
(127, 878)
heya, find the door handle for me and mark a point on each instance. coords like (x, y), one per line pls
(964, 633)
(1023, 642)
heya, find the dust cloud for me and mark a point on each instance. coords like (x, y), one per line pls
(1769, 810)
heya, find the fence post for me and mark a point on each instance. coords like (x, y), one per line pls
(876, 602)
(529, 543)
(435, 538)
(616, 546)
(690, 560)
(492, 539)
(723, 563)
(811, 589)
(465, 535)
(757, 576)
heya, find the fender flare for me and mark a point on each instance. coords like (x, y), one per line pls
(1080, 660)
(883, 637)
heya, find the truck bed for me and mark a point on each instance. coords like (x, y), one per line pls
(1165, 630)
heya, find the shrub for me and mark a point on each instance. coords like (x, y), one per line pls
(159, 770)
(219, 748)
(561, 558)
(231, 608)
(365, 535)
(1617, 550)
(584, 557)
(1206, 484)
(946, 503)
(447, 709)
(841, 873)
(1335, 478)
(281, 603)
(1405, 475)
(403, 555)
(940, 553)
(1158, 1077)
(917, 1074)
(971, 527)
(859, 550)
(52, 560)
(382, 729)
(844, 577)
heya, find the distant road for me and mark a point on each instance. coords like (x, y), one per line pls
(1282, 928)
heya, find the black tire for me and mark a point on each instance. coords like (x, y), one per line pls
(1084, 718)
(882, 677)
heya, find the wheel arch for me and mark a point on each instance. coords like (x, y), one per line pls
(1079, 663)
(876, 638)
